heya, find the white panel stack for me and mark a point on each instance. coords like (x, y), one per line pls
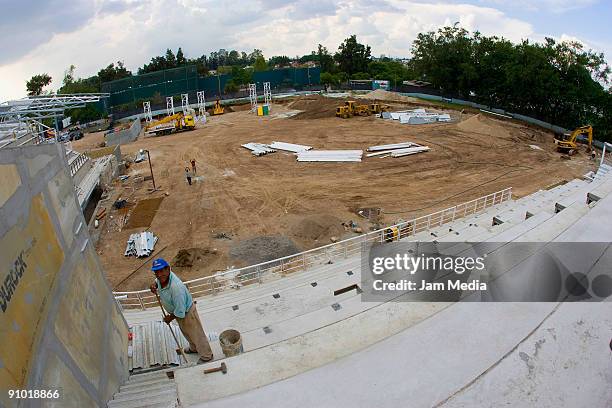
(396, 149)
(330, 156)
(258, 149)
(141, 244)
(290, 147)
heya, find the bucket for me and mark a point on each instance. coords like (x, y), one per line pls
(231, 342)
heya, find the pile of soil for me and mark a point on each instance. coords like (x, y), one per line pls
(317, 106)
(186, 258)
(318, 228)
(382, 95)
(261, 249)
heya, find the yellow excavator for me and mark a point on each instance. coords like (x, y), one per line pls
(178, 122)
(217, 108)
(570, 145)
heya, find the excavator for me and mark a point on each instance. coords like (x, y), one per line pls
(376, 108)
(570, 145)
(178, 122)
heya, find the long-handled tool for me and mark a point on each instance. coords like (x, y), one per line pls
(171, 331)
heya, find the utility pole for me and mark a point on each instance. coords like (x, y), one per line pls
(151, 168)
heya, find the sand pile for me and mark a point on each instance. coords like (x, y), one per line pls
(318, 228)
(382, 95)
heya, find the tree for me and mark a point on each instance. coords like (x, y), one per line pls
(326, 61)
(231, 87)
(69, 75)
(180, 58)
(36, 84)
(113, 72)
(260, 64)
(170, 58)
(352, 56)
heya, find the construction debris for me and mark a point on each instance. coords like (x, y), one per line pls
(290, 147)
(391, 146)
(416, 117)
(141, 244)
(396, 150)
(258, 149)
(330, 156)
(140, 156)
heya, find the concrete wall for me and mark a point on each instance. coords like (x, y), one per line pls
(124, 136)
(59, 325)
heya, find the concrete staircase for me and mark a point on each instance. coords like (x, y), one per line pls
(153, 390)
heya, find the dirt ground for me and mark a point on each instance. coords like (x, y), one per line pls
(240, 202)
(89, 141)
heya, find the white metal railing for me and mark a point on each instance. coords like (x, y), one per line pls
(77, 163)
(277, 268)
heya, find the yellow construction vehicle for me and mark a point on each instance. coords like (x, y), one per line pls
(376, 108)
(350, 108)
(570, 145)
(217, 108)
(173, 123)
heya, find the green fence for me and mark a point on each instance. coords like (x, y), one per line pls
(182, 80)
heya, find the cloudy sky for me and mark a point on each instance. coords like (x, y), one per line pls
(49, 35)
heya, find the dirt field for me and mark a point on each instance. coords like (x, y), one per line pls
(244, 208)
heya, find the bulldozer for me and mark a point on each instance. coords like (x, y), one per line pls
(376, 108)
(569, 146)
(350, 109)
(218, 108)
(178, 122)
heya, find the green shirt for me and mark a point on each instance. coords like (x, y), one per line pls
(175, 296)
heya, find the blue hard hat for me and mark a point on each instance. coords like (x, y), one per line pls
(158, 264)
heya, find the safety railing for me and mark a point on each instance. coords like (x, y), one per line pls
(278, 268)
(77, 162)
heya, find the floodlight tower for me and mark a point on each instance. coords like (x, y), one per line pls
(147, 111)
(169, 105)
(185, 103)
(201, 105)
(253, 97)
(267, 95)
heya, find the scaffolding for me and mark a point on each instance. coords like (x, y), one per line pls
(169, 105)
(185, 103)
(147, 111)
(267, 95)
(253, 97)
(21, 119)
(201, 106)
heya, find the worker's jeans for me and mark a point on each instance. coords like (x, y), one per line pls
(194, 333)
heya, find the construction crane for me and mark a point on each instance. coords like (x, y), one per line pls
(173, 123)
(570, 145)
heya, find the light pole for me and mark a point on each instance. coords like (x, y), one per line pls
(151, 168)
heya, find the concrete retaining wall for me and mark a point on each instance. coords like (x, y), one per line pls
(61, 328)
(124, 136)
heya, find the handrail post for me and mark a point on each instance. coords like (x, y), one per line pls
(140, 301)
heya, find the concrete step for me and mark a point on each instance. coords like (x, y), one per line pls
(155, 401)
(152, 388)
(144, 384)
(146, 394)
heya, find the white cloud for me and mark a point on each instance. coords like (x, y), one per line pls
(134, 31)
(552, 6)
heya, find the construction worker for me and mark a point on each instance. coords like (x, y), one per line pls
(188, 175)
(193, 166)
(179, 304)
